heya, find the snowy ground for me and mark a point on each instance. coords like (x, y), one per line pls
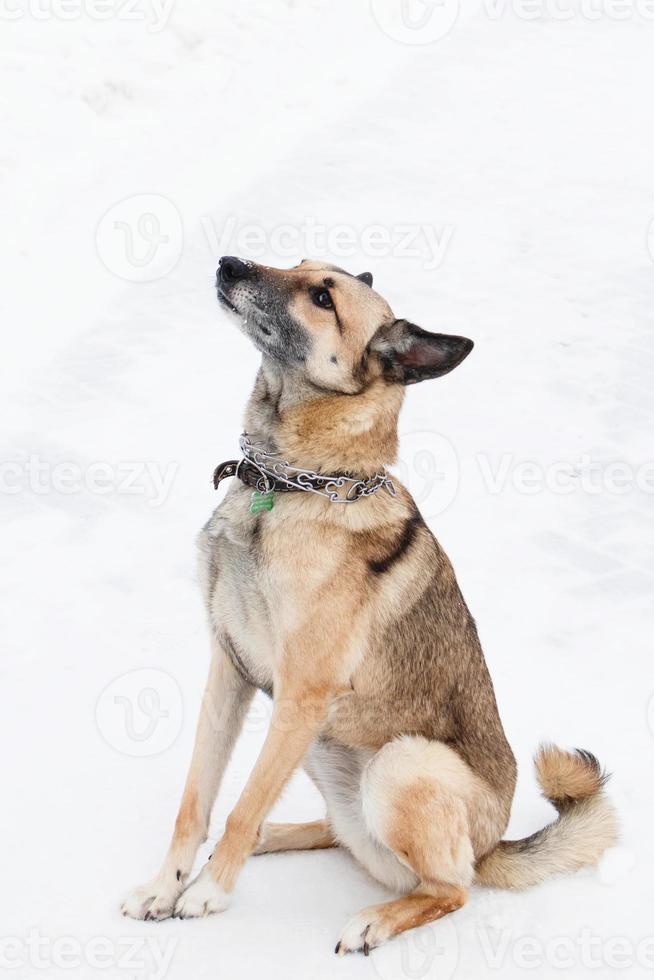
(516, 152)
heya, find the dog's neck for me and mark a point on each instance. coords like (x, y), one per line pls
(324, 431)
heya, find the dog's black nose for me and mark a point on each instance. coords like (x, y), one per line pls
(231, 269)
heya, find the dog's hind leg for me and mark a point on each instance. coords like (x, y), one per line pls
(417, 797)
(295, 837)
(376, 924)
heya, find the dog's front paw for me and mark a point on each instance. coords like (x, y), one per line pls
(202, 897)
(155, 900)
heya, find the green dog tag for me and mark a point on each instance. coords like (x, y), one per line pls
(262, 501)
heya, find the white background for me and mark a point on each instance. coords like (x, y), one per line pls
(527, 142)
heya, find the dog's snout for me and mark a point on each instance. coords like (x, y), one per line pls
(231, 269)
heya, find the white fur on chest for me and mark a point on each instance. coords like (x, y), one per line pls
(234, 588)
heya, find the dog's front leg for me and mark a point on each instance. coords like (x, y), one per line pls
(225, 701)
(299, 713)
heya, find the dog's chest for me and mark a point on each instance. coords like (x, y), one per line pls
(241, 596)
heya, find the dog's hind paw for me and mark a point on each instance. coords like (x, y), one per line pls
(363, 932)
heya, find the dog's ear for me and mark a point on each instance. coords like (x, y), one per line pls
(409, 354)
(366, 277)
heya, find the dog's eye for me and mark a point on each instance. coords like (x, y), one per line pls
(322, 298)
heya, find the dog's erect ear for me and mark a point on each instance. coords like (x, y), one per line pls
(409, 354)
(366, 277)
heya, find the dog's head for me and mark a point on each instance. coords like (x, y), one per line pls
(331, 326)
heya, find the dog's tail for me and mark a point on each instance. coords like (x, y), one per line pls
(586, 825)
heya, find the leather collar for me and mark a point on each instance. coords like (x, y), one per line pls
(250, 475)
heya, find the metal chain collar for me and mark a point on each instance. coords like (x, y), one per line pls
(274, 468)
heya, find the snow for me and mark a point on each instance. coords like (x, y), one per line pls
(516, 153)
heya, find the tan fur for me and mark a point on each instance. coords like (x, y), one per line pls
(375, 925)
(295, 837)
(416, 797)
(566, 775)
(351, 619)
(333, 434)
(188, 819)
(586, 827)
(225, 701)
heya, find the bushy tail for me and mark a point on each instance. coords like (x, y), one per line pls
(586, 825)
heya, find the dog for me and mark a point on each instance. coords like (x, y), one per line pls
(325, 588)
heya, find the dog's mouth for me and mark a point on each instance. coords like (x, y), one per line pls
(251, 317)
(224, 299)
(260, 310)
